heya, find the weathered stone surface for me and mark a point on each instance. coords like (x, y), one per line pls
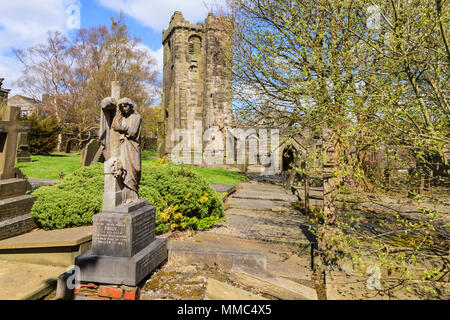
(266, 196)
(213, 254)
(224, 188)
(255, 204)
(276, 286)
(263, 226)
(91, 153)
(27, 281)
(36, 182)
(15, 206)
(9, 129)
(197, 86)
(120, 234)
(13, 187)
(217, 290)
(122, 270)
(54, 247)
(16, 226)
(260, 187)
(23, 149)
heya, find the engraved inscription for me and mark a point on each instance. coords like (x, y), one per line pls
(143, 232)
(111, 232)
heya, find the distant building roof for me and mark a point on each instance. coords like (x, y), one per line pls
(19, 99)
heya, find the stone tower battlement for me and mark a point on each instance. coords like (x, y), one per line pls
(196, 82)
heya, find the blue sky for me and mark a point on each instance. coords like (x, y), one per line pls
(24, 23)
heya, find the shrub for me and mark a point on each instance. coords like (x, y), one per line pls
(183, 199)
(43, 136)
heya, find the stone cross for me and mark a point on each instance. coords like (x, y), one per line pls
(9, 130)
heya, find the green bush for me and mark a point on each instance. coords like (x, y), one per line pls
(183, 199)
(43, 136)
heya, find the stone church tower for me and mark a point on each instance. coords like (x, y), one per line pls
(196, 85)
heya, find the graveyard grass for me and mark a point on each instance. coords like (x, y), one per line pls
(49, 167)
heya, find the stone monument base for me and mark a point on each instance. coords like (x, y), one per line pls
(122, 270)
(124, 248)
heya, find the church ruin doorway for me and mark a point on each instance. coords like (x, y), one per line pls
(288, 158)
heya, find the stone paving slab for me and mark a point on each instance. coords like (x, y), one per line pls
(52, 238)
(286, 217)
(26, 281)
(276, 286)
(220, 188)
(225, 189)
(265, 196)
(261, 187)
(218, 290)
(214, 250)
(264, 229)
(37, 182)
(254, 204)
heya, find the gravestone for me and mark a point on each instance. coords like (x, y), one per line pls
(124, 247)
(23, 149)
(15, 205)
(91, 153)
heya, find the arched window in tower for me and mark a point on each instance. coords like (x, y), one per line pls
(194, 46)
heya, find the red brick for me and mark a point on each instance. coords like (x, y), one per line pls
(105, 291)
(129, 295)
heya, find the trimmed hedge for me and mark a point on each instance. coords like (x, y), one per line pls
(183, 199)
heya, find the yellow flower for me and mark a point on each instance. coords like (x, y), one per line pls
(161, 160)
(203, 198)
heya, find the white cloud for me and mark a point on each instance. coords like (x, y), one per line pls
(24, 23)
(156, 14)
(155, 54)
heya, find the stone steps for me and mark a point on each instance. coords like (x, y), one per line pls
(255, 204)
(16, 226)
(264, 212)
(265, 196)
(264, 229)
(261, 187)
(15, 206)
(213, 251)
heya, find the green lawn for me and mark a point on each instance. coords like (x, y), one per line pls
(147, 154)
(49, 167)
